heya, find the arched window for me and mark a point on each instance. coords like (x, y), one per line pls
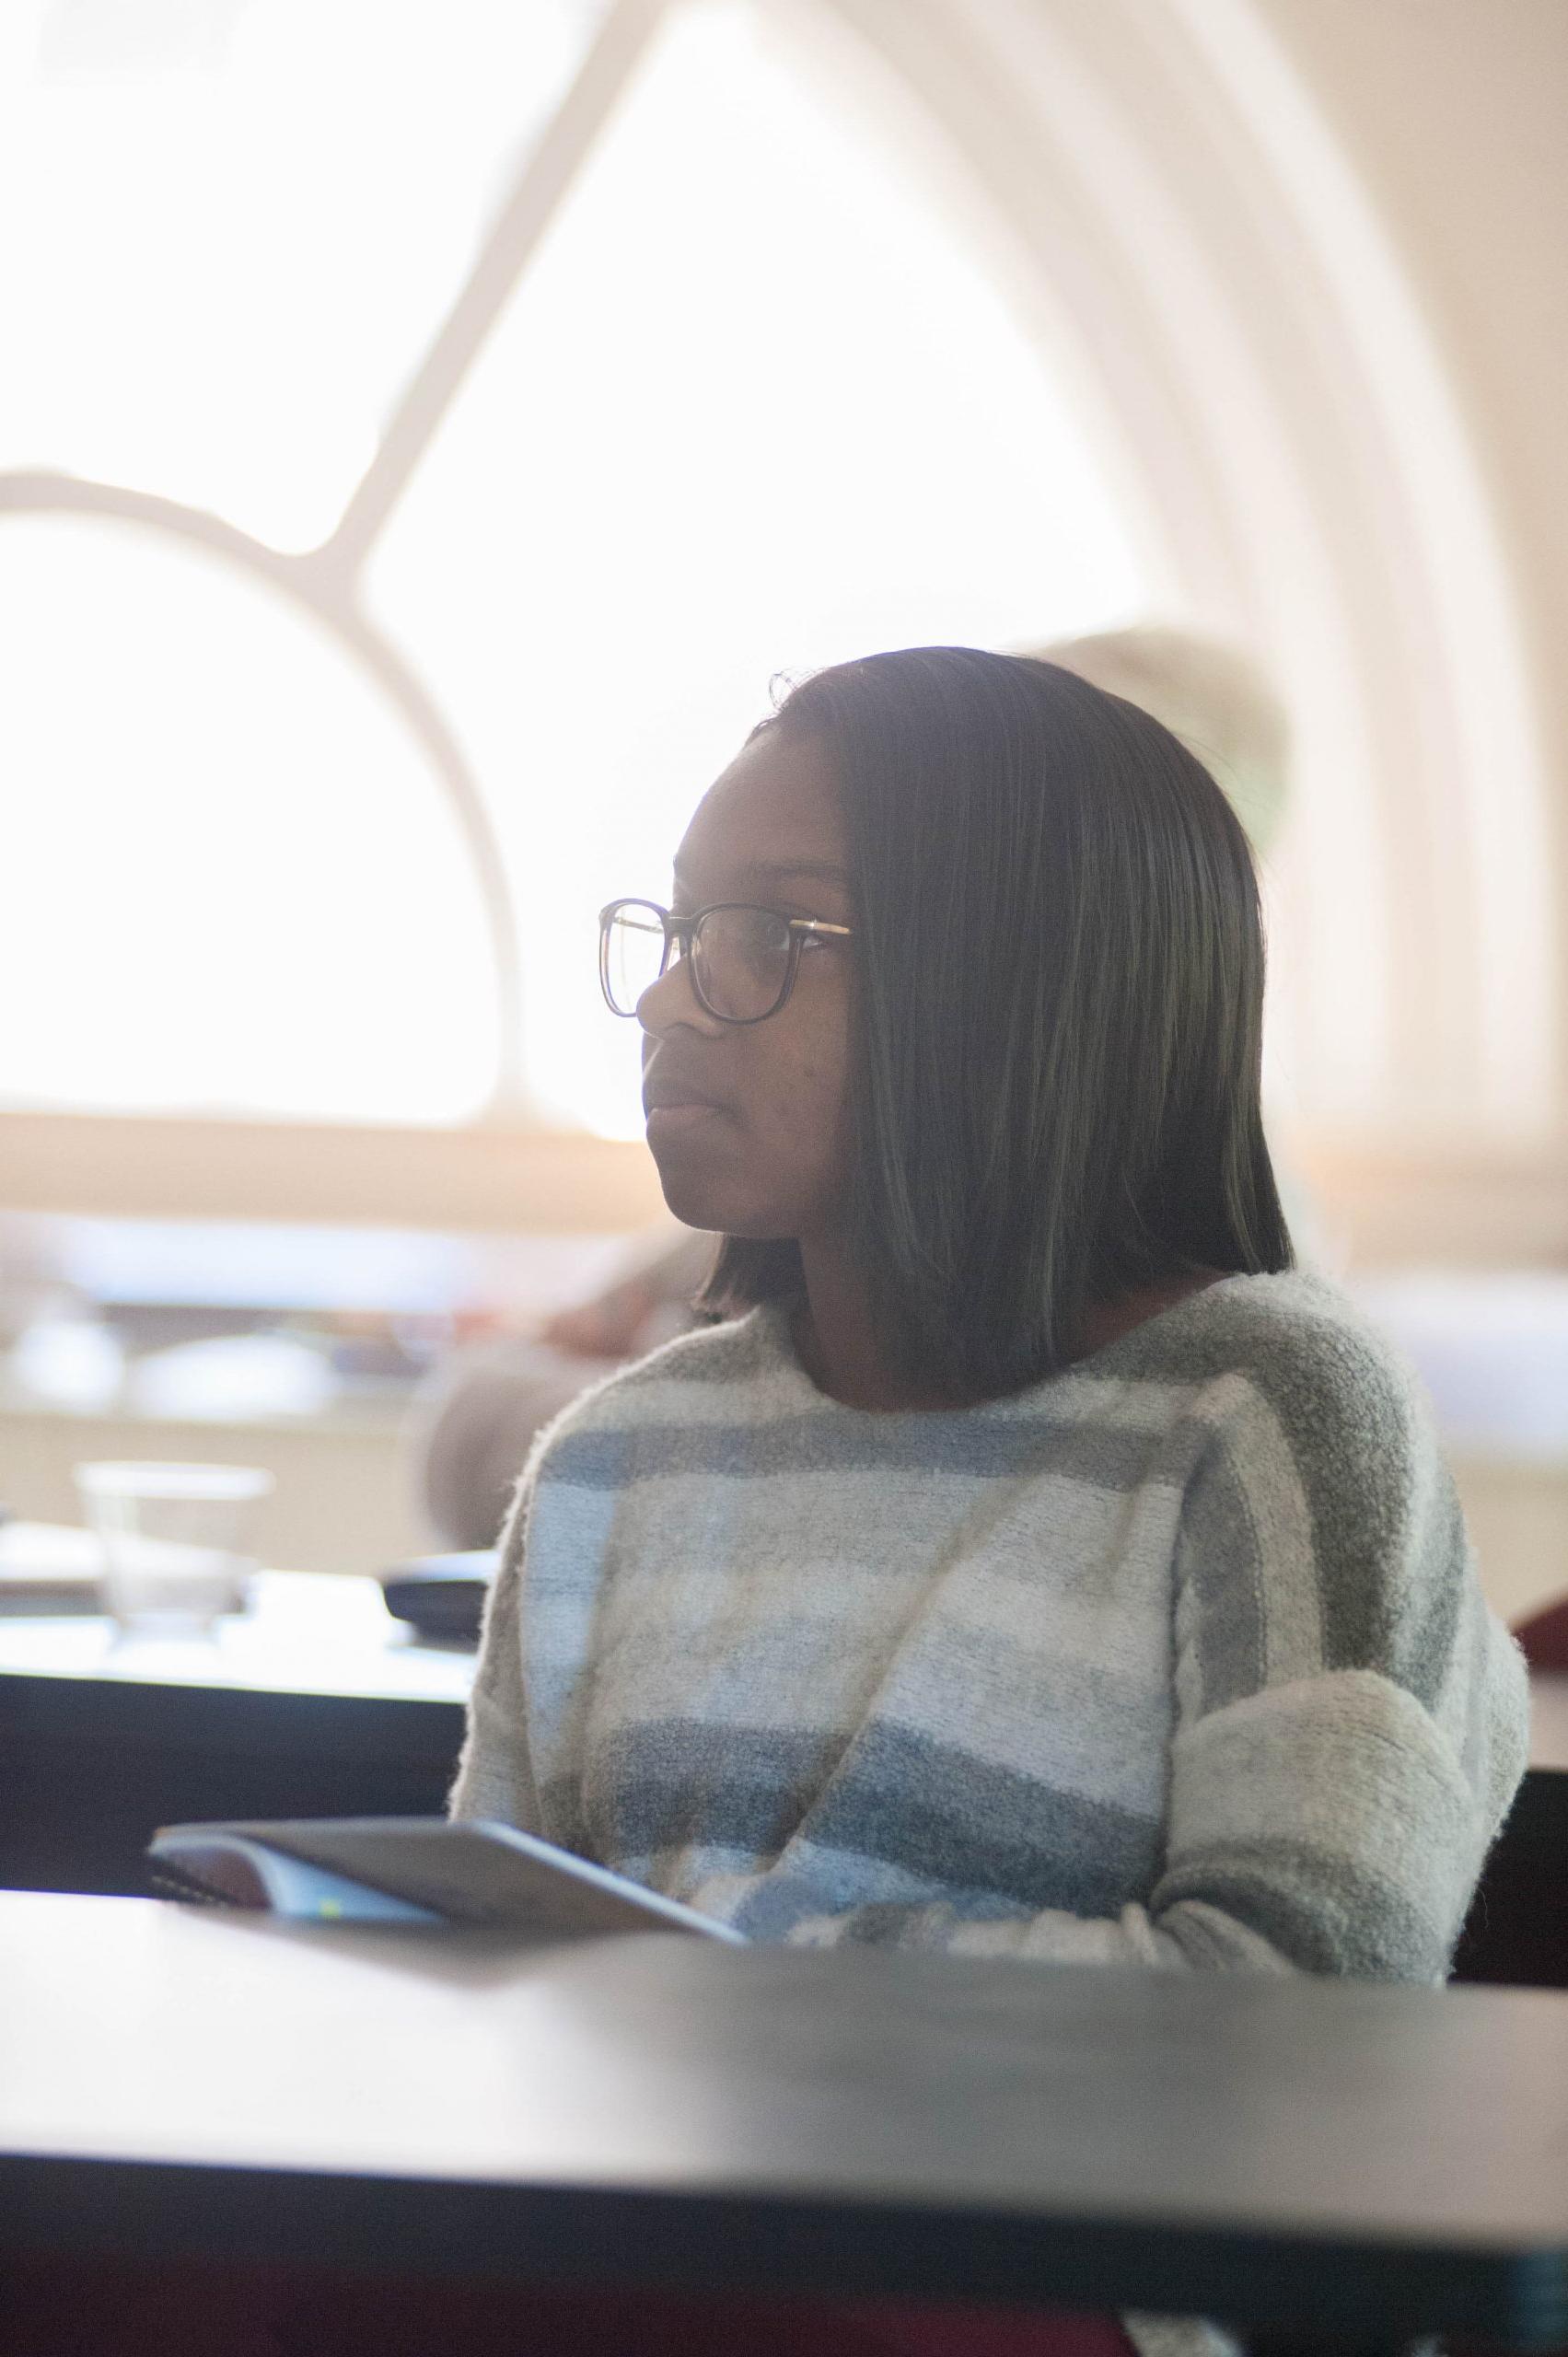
(235, 885)
(333, 741)
(537, 381)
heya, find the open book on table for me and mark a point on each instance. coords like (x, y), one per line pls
(411, 1870)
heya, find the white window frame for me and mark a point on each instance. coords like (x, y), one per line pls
(1256, 367)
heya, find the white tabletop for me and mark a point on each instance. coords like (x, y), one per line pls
(309, 1633)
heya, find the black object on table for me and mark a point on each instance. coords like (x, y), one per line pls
(442, 1596)
(317, 1703)
(1306, 2156)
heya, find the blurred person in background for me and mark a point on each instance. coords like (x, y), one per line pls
(473, 1428)
(488, 1401)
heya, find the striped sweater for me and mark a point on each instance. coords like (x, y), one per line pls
(1178, 1658)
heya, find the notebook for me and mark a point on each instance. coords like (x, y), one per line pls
(411, 1870)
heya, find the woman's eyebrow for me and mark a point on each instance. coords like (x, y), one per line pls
(821, 871)
(765, 872)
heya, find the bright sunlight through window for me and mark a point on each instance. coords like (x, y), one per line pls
(752, 406)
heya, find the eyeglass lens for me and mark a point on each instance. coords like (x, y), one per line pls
(741, 959)
(632, 955)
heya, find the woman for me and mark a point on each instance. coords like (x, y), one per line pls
(1032, 1562)
(488, 1400)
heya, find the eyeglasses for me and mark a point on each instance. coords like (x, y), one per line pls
(742, 961)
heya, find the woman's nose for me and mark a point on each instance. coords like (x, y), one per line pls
(672, 999)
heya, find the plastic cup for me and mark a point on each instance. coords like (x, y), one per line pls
(176, 1542)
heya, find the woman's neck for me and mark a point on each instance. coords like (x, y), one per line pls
(835, 1343)
(833, 1337)
(1106, 1321)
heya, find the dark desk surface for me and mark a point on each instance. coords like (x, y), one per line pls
(317, 1704)
(1336, 2157)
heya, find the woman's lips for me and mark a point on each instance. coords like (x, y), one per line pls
(677, 1108)
(678, 1121)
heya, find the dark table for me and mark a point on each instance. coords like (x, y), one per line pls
(316, 1703)
(319, 1704)
(1323, 2156)
(1518, 1929)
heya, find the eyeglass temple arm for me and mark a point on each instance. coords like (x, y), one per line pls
(686, 925)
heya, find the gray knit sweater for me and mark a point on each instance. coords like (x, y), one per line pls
(1178, 1658)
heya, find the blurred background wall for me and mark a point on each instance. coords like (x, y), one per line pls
(424, 432)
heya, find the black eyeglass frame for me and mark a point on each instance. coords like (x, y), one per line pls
(681, 930)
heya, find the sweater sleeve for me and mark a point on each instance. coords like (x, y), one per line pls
(494, 1776)
(1351, 1719)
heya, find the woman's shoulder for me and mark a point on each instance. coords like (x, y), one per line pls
(723, 1373)
(1297, 1340)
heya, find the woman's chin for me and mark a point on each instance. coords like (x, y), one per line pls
(696, 1199)
(708, 1187)
(691, 1195)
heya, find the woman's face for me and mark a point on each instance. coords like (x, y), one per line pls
(749, 1123)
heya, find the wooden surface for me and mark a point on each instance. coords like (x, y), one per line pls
(1336, 2156)
(490, 1175)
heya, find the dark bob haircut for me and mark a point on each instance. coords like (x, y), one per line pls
(1058, 1024)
